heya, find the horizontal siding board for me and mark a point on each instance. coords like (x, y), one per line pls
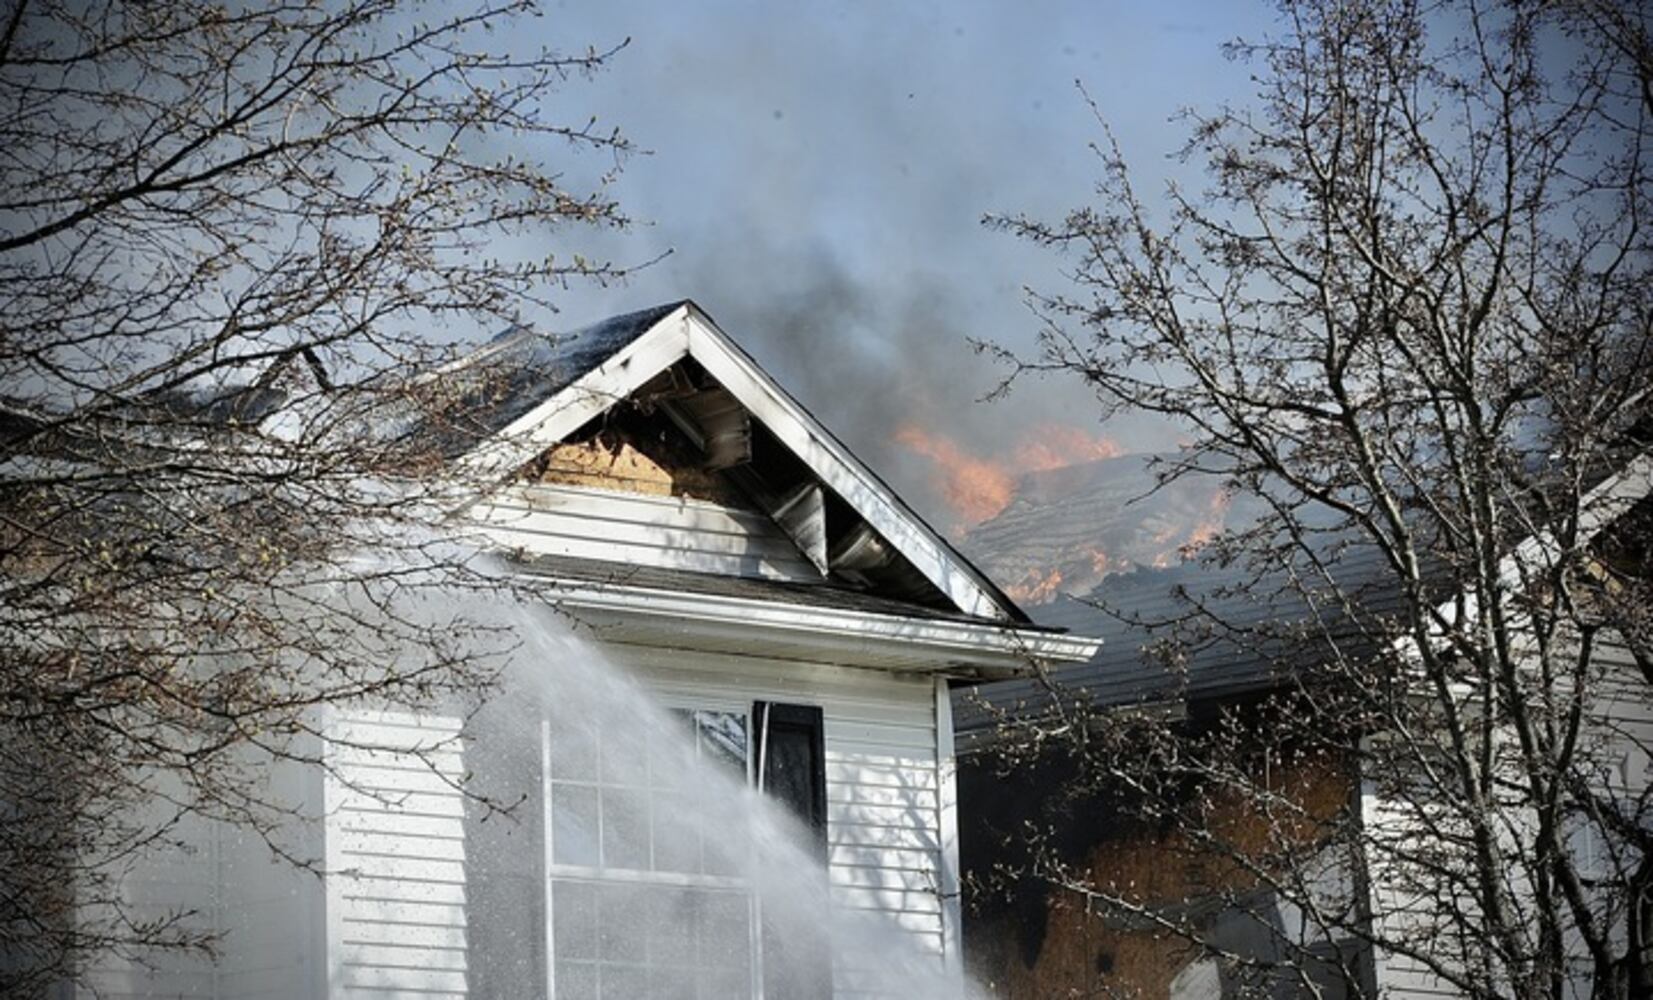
(604, 507)
(402, 845)
(389, 800)
(854, 772)
(407, 935)
(756, 566)
(369, 890)
(631, 529)
(403, 867)
(849, 793)
(884, 878)
(387, 822)
(916, 901)
(848, 735)
(667, 539)
(404, 780)
(403, 977)
(884, 837)
(649, 507)
(401, 955)
(844, 856)
(874, 815)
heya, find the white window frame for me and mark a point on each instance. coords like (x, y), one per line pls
(554, 871)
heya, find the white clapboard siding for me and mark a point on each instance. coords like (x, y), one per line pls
(641, 530)
(1626, 717)
(1619, 733)
(396, 915)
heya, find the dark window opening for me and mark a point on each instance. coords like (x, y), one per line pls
(790, 746)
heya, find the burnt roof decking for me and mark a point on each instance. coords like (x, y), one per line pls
(520, 369)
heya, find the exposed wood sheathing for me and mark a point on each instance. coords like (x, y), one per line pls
(1048, 943)
(630, 460)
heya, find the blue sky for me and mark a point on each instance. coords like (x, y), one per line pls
(819, 173)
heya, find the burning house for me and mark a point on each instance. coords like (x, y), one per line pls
(783, 624)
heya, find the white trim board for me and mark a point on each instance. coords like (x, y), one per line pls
(641, 615)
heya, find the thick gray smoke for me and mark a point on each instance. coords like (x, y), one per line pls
(819, 174)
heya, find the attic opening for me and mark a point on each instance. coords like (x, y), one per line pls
(683, 435)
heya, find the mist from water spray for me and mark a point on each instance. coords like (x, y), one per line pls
(671, 874)
(678, 804)
(439, 823)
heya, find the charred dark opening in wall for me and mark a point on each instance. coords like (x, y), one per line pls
(1081, 855)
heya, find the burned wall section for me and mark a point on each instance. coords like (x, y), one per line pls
(1039, 828)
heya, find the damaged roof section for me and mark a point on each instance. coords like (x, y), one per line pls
(519, 370)
(660, 403)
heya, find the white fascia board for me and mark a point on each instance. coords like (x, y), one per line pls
(651, 353)
(1599, 508)
(1603, 505)
(838, 469)
(952, 645)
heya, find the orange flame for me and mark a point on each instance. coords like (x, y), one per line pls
(976, 488)
(973, 488)
(1054, 446)
(1099, 562)
(1035, 587)
(1216, 513)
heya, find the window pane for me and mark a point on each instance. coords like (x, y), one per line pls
(625, 828)
(574, 750)
(673, 984)
(574, 824)
(576, 981)
(573, 922)
(624, 760)
(725, 940)
(723, 739)
(727, 853)
(721, 983)
(672, 753)
(619, 923)
(670, 922)
(676, 835)
(625, 982)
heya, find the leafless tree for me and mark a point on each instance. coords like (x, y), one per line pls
(230, 235)
(1410, 320)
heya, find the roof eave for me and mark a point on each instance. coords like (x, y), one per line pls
(979, 650)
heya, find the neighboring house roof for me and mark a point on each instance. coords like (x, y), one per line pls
(1132, 612)
(1268, 625)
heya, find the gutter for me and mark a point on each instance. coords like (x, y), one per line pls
(656, 616)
